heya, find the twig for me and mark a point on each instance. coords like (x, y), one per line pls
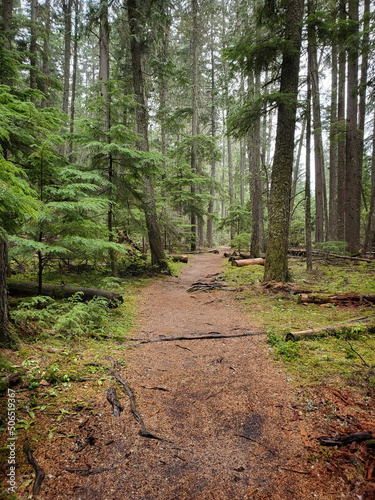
(357, 353)
(182, 347)
(294, 470)
(257, 442)
(39, 472)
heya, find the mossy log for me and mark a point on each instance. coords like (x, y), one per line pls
(248, 262)
(342, 298)
(30, 289)
(331, 329)
(180, 258)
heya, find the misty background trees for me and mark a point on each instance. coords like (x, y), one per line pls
(140, 124)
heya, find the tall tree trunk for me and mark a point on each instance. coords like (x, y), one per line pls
(104, 82)
(255, 182)
(370, 226)
(276, 265)
(332, 223)
(320, 186)
(33, 42)
(46, 50)
(341, 143)
(213, 135)
(67, 9)
(4, 314)
(74, 75)
(194, 124)
(363, 81)
(308, 173)
(353, 163)
(152, 220)
(296, 169)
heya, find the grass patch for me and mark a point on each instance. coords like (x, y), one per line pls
(339, 359)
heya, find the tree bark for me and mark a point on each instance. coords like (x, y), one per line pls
(74, 76)
(5, 339)
(353, 163)
(194, 123)
(320, 186)
(67, 9)
(46, 49)
(308, 175)
(33, 41)
(213, 135)
(332, 221)
(137, 48)
(341, 144)
(276, 266)
(370, 227)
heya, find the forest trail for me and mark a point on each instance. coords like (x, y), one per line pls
(222, 404)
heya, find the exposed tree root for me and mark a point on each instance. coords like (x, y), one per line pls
(197, 336)
(39, 472)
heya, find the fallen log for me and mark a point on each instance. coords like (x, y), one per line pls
(355, 437)
(30, 289)
(180, 258)
(112, 398)
(341, 298)
(39, 472)
(248, 262)
(334, 328)
(198, 336)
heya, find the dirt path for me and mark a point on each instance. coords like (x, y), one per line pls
(225, 407)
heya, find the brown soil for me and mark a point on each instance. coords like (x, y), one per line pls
(227, 413)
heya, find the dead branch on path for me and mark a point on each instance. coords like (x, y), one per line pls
(39, 472)
(197, 336)
(143, 432)
(112, 398)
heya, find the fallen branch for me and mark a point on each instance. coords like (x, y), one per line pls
(199, 336)
(294, 470)
(143, 432)
(357, 353)
(335, 328)
(357, 437)
(112, 398)
(39, 472)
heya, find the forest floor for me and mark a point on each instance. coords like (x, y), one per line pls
(230, 422)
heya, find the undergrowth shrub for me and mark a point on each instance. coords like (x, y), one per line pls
(286, 350)
(71, 317)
